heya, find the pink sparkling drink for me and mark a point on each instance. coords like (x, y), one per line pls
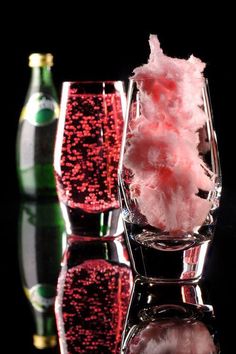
(88, 147)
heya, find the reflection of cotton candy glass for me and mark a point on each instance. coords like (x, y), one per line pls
(172, 336)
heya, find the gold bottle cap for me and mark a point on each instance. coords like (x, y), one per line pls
(43, 342)
(38, 60)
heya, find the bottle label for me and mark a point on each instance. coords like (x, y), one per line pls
(41, 109)
(42, 296)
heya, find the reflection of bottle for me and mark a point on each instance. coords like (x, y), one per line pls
(93, 296)
(40, 250)
(37, 129)
(169, 318)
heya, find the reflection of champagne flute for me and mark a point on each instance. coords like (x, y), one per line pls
(93, 296)
(40, 249)
(86, 156)
(169, 318)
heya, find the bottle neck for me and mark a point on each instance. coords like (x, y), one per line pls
(45, 335)
(41, 80)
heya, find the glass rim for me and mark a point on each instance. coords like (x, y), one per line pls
(92, 82)
(133, 79)
(87, 87)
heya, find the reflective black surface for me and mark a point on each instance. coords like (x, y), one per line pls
(217, 285)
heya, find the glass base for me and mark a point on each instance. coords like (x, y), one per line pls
(165, 258)
(92, 225)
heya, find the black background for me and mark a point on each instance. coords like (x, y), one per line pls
(89, 44)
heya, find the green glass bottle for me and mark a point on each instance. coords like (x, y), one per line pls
(37, 131)
(41, 235)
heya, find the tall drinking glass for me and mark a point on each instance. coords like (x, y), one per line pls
(169, 182)
(86, 156)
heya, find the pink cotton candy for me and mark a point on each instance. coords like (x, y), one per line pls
(162, 149)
